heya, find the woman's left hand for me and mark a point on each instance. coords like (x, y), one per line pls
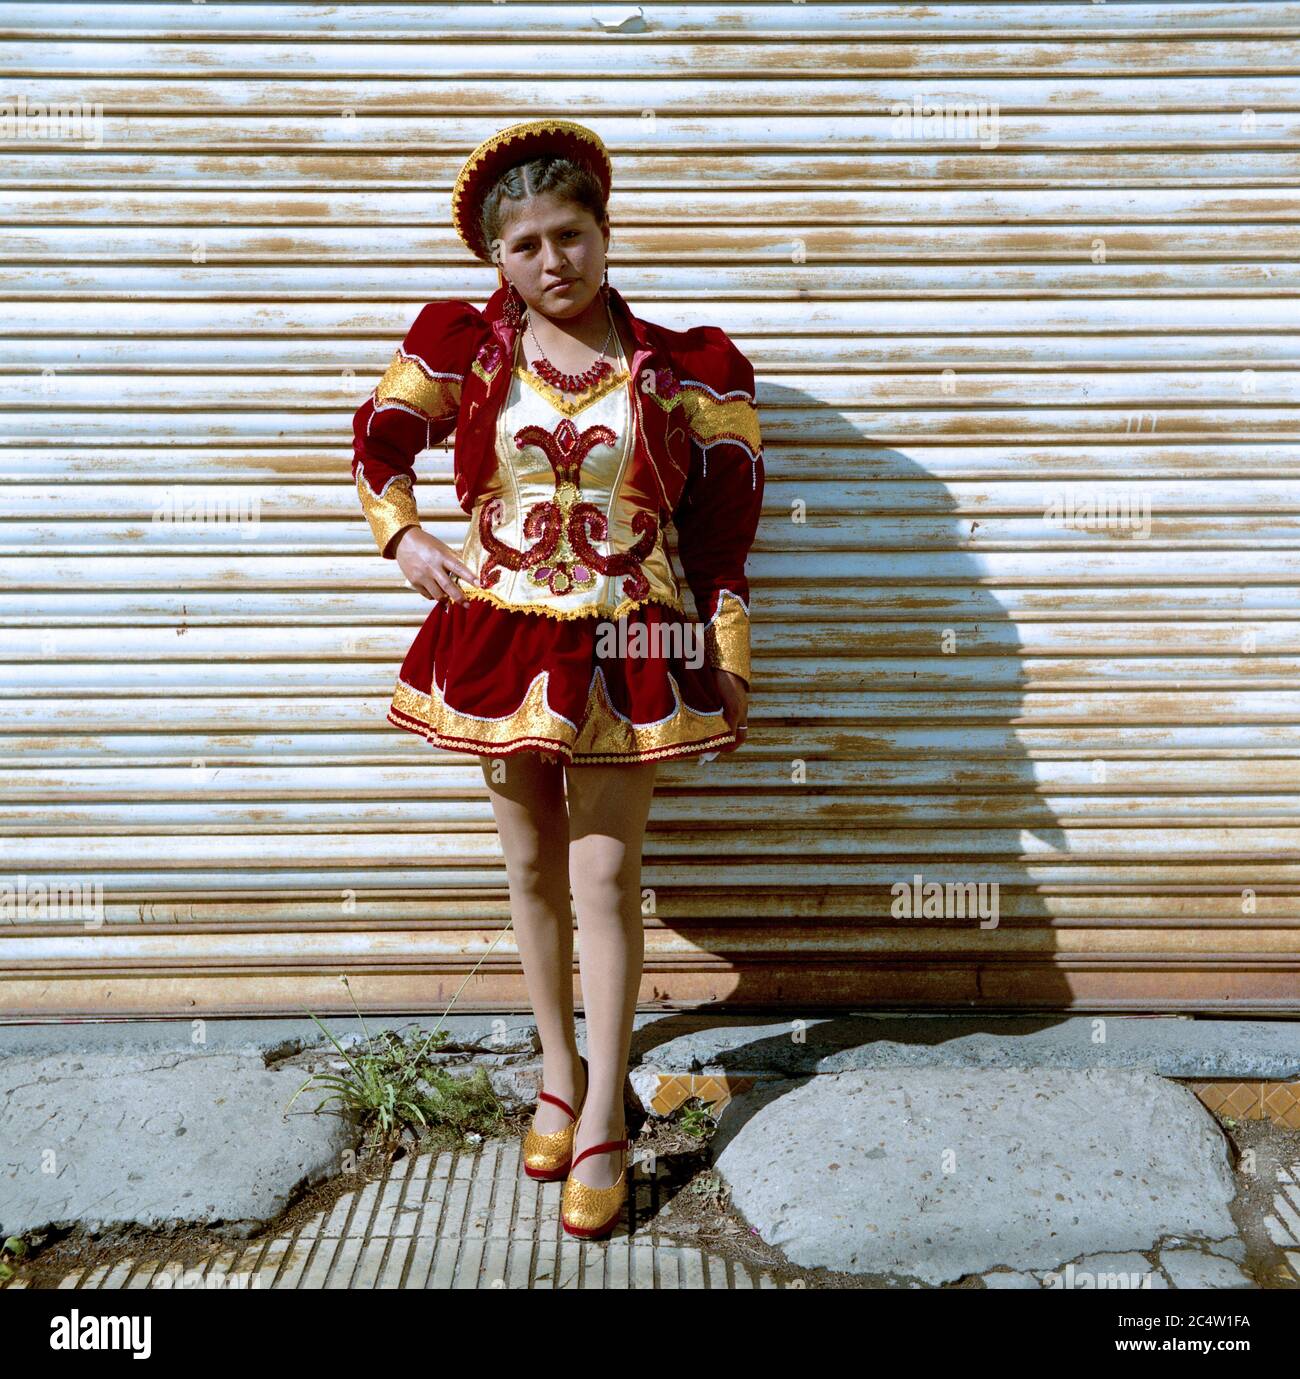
(735, 705)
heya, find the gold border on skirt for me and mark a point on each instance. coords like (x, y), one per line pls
(605, 736)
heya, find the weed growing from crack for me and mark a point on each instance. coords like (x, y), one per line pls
(696, 1119)
(15, 1246)
(395, 1088)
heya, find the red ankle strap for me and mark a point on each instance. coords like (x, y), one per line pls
(598, 1149)
(555, 1101)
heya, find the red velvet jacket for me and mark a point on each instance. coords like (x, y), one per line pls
(695, 420)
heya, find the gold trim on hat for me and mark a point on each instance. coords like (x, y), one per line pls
(469, 233)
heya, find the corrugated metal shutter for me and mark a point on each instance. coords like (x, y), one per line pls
(951, 680)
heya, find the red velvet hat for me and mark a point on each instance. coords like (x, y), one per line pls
(517, 144)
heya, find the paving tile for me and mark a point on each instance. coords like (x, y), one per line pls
(143, 1277)
(1283, 1224)
(1278, 1102)
(441, 1221)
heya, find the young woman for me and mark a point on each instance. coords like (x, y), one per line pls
(567, 662)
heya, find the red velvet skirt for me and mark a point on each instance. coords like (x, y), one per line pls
(495, 681)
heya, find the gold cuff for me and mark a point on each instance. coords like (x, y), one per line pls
(726, 636)
(388, 512)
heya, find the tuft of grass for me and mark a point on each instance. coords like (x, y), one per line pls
(16, 1246)
(697, 1120)
(709, 1190)
(393, 1088)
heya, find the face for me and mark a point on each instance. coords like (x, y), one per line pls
(554, 252)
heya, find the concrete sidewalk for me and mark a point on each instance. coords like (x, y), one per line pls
(892, 1151)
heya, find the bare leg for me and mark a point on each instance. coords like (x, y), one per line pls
(608, 807)
(528, 802)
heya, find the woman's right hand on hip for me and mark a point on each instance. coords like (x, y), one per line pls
(431, 566)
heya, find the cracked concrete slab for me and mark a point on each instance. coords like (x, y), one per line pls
(157, 1139)
(1123, 1271)
(691, 1041)
(1170, 1045)
(938, 1173)
(1009, 1278)
(1192, 1268)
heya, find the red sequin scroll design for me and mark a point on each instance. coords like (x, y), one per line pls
(562, 557)
(644, 524)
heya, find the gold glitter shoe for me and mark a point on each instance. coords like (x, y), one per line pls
(591, 1213)
(546, 1157)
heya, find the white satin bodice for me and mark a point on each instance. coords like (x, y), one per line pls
(560, 528)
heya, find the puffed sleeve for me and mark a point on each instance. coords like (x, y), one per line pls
(717, 515)
(413, 406)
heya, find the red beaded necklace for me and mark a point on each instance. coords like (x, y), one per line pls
(572, 382)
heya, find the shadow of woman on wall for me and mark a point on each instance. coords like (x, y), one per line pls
(886, 838)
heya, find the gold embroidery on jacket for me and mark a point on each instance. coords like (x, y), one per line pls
(714, 419)
(408, 382)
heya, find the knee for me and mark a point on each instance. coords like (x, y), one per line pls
(535, 871)
(606, 886)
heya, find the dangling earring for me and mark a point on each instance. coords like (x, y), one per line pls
(604, 287)
(512, 312)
